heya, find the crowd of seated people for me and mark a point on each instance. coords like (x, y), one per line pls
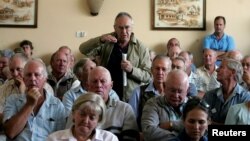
(105, 96)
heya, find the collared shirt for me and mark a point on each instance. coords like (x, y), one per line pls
(219, 107)
(207, 82)
(226, 43)
(156, 111)
(135, 98)
(193, 84)
(71, 95)
(238, 114)
(6, 90)
(50, 117)
(9, 88)
(67, 82)
(119, 117)
(193, 78)
(66, 135)
(137, 54)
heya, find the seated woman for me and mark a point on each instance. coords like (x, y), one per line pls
(195, 119)
(87, 112)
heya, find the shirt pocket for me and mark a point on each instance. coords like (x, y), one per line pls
(45, 126)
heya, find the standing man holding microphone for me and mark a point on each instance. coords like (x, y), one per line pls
(109, 48)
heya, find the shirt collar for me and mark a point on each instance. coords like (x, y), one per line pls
(111, 102)
(68, 135)
(223, 37)
(79, 89)
(205, 69)
(236, 91)
(151, 88)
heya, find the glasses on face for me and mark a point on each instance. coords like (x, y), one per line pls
(126, 27)
(195, 100)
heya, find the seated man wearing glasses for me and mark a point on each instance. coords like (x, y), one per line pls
(161, 115)
(109, 49)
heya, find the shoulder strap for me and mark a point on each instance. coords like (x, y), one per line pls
(144, 97)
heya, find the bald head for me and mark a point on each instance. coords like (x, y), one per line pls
(178, 76)
(100, 70)
(235, 54)
(177, 84)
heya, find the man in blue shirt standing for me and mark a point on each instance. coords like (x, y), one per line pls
(219, 41)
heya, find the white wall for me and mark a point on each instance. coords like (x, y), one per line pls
(58, 20)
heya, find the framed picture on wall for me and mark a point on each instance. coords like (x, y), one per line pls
(18, 13)
(179, 14)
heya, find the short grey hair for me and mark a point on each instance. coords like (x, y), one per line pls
(93, 102)
(236, 66)
(38, 61)
(22, 56)
(123, 14)
(181, 59)
(78, 67)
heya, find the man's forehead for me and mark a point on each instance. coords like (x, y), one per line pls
(97, 77)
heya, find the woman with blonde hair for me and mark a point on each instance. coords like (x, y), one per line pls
(88, 111)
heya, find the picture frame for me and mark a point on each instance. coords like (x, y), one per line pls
(18, 13)
(179, 14)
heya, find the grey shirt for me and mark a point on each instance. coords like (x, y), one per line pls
(156, 111)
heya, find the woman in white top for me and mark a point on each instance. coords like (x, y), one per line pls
(87, 112)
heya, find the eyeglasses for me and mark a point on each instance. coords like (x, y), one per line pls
(126, 27)
(197, 101)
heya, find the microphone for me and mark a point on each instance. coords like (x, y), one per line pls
(124, 57)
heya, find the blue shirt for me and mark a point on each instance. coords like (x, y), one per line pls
(226, 43)
(70, 96)
(238, 114)
(50, 117)
(219, 107)
(135, 97)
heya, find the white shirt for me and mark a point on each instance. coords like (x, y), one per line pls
(207, 82)
(66, 135)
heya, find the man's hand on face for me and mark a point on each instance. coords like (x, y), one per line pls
(33, 95)
(20, 83)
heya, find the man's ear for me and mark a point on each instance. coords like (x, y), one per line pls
(111, 84)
